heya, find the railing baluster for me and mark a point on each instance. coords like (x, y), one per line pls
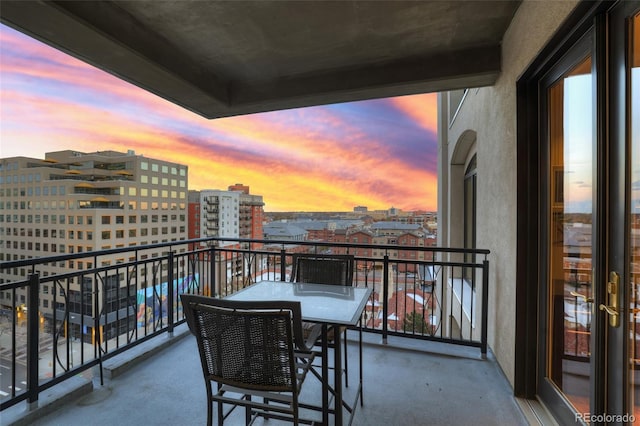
(97, 326)
(462, 288)
(283, 264)
(385, 302)
(118, 289)
(214, 290)
(450, 278)
(33, 338)
(170, 289)
(14, 327)
(485, 303)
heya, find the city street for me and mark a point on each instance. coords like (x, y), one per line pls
(5, 378)
(46, 358)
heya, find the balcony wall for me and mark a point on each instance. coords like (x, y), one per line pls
(485, 125)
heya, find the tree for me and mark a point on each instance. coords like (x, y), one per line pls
(415, 323)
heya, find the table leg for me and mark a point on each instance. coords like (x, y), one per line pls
(325, 377)
(337, 365)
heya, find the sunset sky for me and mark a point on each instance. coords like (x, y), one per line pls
(378, 154)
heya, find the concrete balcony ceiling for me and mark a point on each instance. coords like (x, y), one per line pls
(222, 59)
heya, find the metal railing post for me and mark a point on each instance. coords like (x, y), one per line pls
(485, 307)
(213, 292)
(170, 289)
(33, 337)
(97, 326)
(385, 298)
(283, 264)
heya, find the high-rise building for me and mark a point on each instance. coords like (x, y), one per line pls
(220, 214)
(228, 214)
(193, 216)
(72, 202)
(251, 212)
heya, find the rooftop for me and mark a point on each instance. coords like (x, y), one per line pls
(395, 225)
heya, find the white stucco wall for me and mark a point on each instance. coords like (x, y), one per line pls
(491, 113)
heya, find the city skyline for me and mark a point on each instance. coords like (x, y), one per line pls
(379, 153)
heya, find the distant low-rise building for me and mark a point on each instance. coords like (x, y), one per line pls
(284, 231)
(361, 237)
(390, 228)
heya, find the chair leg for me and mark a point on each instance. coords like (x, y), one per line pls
(220, 406)
(209, 405)
(360, 366)
(247, 412)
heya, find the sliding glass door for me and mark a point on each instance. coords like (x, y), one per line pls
(589, 299)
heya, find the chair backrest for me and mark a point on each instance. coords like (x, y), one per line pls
(332, 269)
(246, 344)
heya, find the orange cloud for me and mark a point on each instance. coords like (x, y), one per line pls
(422, 108)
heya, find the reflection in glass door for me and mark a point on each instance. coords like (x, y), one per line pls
(634, 220)
(570, 287)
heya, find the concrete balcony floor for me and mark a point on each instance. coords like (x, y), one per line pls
(406, 382)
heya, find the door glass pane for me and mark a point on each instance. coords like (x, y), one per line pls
(571, 204)
(634, 221)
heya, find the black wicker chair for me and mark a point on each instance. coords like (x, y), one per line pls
(254, 351)
(332, 269)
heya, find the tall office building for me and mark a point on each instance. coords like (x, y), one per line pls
(72, 202)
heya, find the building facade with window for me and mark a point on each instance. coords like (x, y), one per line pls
(226, 214)
(251, 213)
(73, 202)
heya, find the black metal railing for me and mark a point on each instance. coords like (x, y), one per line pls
(72, 312)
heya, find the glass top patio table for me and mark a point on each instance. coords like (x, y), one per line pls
(321, 303)
(332, 305)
